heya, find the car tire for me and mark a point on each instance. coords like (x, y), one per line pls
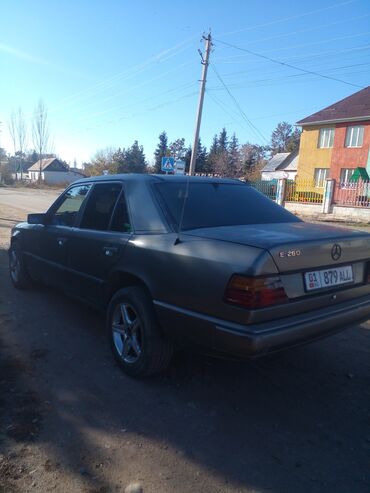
(136, 339)
(17, 270)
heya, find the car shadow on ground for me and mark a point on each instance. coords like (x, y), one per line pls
(294, 421)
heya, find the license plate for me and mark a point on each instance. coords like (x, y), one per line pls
(326, 278)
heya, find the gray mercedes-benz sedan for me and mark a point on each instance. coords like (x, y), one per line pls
(201, 262)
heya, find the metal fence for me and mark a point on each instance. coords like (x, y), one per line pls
(352, 194)
(268, 188)
(305, 191)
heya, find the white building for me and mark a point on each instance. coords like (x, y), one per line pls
(282, 165)
(53, 172)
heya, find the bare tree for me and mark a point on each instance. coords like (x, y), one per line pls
(40, 132)
(21, 131)
(18, 132)
(12, 129)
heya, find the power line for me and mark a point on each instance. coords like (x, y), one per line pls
(329, 53)
(280, 81)
(290, 47)
(222, 105)
(321, 42)
(134, 87)
(278, 21)
(245, 83)
(308, 57)
(90, 114)
(141, 112)
(273, 71)
(237, 104)
(315, 28)
(286, 78)
(273, 60)
(125, 74)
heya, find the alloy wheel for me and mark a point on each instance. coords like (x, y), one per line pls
(127, 333)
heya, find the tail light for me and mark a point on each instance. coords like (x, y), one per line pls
(255, 292)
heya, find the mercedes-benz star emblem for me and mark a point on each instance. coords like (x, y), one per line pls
(336, 252)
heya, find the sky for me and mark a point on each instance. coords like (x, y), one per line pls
(111, 72)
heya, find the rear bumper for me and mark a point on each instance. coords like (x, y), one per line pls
(254, 340)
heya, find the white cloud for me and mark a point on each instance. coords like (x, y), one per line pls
(28, 57)
(23, 55)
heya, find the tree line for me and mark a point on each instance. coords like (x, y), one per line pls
(225, 156)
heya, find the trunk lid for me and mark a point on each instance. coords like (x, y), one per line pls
(296, 246)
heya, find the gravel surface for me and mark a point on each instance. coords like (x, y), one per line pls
(298, 421)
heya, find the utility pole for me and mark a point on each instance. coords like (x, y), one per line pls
(205, 62)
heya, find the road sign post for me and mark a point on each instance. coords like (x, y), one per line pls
(168, 164)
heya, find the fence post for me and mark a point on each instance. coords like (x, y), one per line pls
(328, 196)
(280, 191)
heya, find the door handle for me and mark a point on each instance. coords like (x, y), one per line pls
(61, 241)
(109, 251)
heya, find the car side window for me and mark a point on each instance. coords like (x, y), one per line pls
(121, 219)
(100, 206)
(67, 211)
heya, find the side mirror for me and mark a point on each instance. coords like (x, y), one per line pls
(37, 219)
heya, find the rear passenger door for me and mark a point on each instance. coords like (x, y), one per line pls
(99, 241)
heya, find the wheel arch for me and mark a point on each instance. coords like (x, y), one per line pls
(122, 279)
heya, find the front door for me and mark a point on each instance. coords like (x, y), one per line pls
(55, 236)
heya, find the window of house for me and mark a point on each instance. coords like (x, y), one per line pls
(354, 136)
(346, 174)
(66, 213)
(100, 206)
(321, 174)
(326, 137)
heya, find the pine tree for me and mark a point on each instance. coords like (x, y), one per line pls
(212, 155)
(135, 159)
(221, 161)
(161, 151)
(119, 159)
(234, 157)
(223, 141)
(201, 162)
(201, 159)
(34, 157)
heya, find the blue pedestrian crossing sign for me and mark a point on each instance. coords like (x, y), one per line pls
(168, 164)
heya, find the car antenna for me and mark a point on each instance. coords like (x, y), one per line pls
(177, 241)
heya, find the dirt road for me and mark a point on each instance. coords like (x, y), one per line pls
(71, 421)
(28, 199)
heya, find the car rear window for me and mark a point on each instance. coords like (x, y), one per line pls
(219, 204)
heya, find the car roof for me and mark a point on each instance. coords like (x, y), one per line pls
(143, 177)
